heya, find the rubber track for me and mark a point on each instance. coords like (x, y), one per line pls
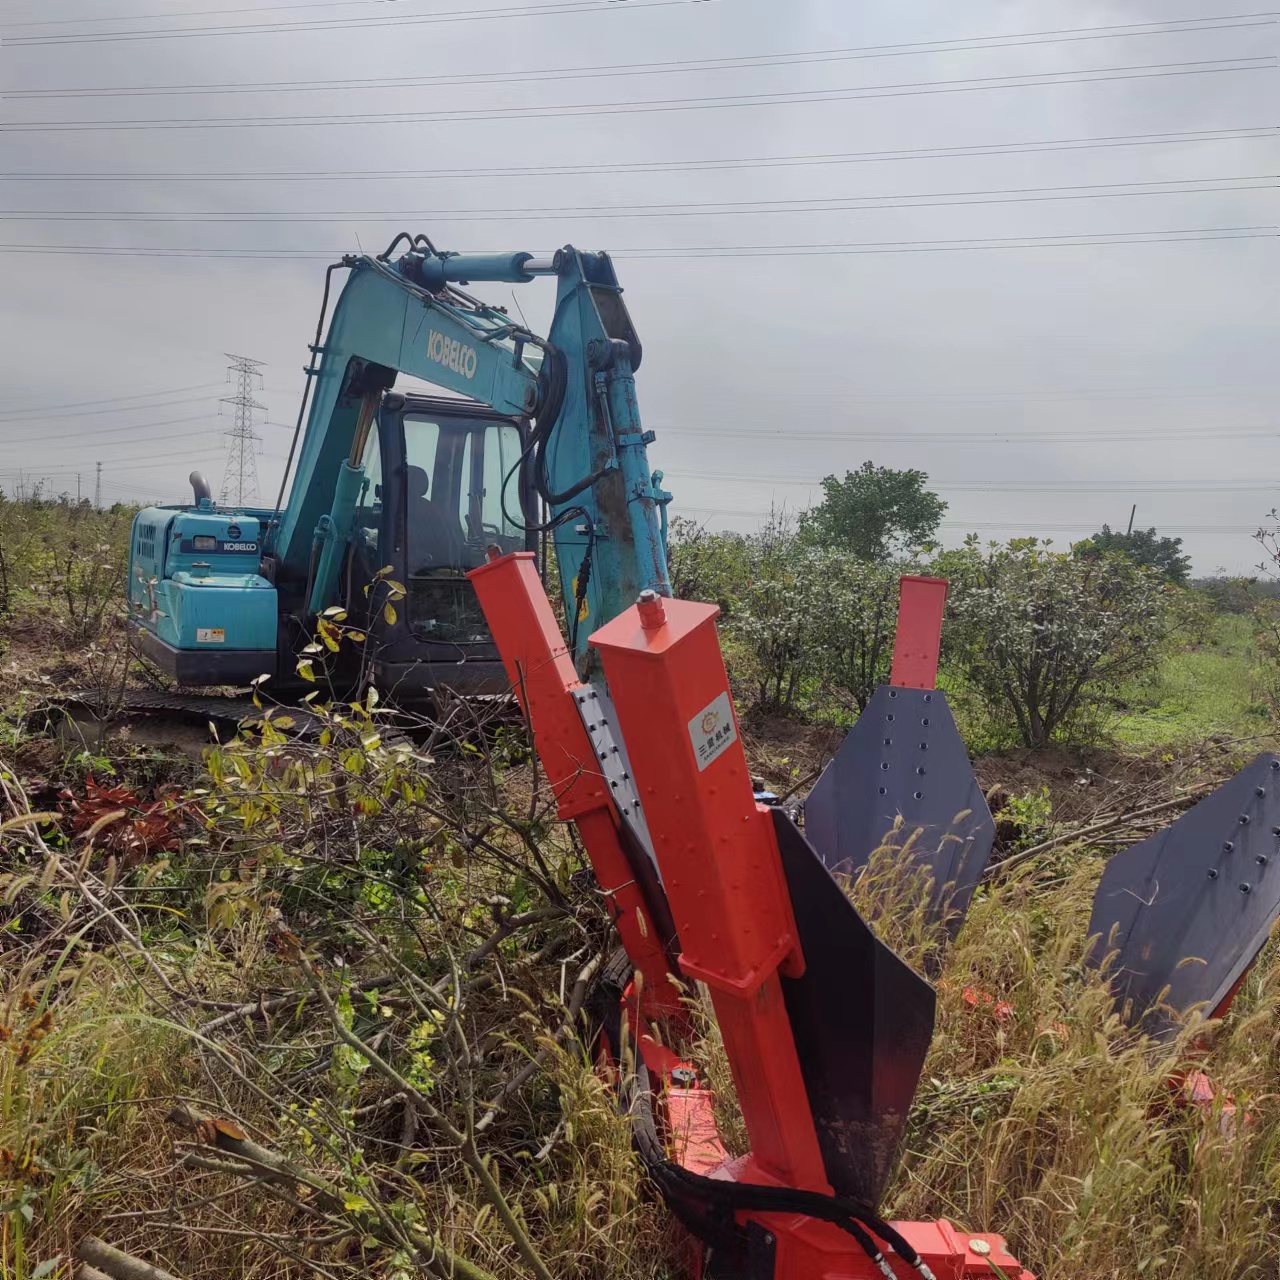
(225, 713)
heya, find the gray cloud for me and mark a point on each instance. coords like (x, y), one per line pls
(1115, 369)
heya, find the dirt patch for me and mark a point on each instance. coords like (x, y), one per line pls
(1084, 785)
(785, 754)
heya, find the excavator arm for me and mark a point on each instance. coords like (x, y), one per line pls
(585, 458)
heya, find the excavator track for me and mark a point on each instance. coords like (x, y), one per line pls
(223, 715)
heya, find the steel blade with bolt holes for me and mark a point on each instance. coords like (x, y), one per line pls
(902, 779)
(1189, 909)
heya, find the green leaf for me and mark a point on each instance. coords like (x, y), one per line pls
(389, 613)
(306, 671)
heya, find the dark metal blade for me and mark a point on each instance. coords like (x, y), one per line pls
(862, 1021)
(904, 759)
(1190, 908)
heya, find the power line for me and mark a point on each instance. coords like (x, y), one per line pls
(338, 24)
(1198, 136)
(1209, 434)
(1021, 397)
(1189, 235)
(195, 13)
(686, 208)
(138, 429)
(1027, 80)
(25, 416)
(105, 400)
(1013, 486)
(120, 459)
(739, 62)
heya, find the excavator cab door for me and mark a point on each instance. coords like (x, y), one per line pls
(442, 484)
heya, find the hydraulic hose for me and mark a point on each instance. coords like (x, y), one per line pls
(715, 1201)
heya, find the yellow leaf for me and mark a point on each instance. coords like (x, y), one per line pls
(306, 671)
(354, 1203)
(389, 613)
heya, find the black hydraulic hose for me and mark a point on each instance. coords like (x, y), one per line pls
(306, 395)
(558, 383)
(854, 1219)
(413, 242)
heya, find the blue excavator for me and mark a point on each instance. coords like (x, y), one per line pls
(395, 496)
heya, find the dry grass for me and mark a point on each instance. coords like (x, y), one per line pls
(1057, 1126)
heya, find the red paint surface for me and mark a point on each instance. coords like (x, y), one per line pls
(916, 646)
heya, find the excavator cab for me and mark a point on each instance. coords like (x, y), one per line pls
(441, 485)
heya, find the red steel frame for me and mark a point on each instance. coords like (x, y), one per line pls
(723, 877)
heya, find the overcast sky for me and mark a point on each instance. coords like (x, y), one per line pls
(1045, 382)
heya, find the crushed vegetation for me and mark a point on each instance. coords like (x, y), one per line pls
(281, 1008)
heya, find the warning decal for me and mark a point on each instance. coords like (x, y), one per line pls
(211, 635)
(712, 730)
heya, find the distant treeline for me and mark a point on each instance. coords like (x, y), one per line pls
(1237, 595)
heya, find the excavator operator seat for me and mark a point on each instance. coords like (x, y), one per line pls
(435, 536)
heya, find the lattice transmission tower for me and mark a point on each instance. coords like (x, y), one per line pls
(240, 474)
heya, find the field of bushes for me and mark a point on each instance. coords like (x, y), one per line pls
(283, 1009)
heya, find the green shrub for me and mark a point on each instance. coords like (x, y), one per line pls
(1043, 636)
